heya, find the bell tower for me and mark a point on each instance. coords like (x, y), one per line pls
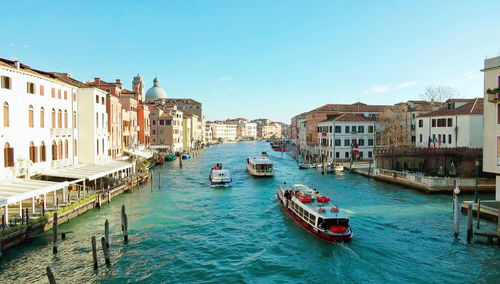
(138, 84)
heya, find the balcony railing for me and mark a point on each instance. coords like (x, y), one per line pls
(58, 132)
(60, 163)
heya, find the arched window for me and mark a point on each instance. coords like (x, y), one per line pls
(42, 117)
(59, 150)
(54, 151)
(53, 118)
(97, 146)
(65, 119)
(30, 116)
(59, 119)
(5, 114)
(33, 153)
(103, 147)
(103, 120)
(8, 155)
(96, 120)
(75, 152)
(42, 152)
(74, 119)
(65, 149)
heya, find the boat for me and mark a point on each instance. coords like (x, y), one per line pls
(170, 157)
(315, 213)
(280, 149)
(185, 156)
(219, 176)
(260, 166)
(304, 166)
(338, 168)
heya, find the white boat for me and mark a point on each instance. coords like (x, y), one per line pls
(338, 167)
(260, 166)
(219, 176)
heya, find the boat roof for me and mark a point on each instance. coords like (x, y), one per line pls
(260, 160)
(315, 205)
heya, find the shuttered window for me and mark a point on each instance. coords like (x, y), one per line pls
(42, 118)
(30, 117)
(6, 82)
(8, 156)
(30, 88)
(42, 152)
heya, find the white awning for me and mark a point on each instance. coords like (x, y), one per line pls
(90, 172)
(15, 190)
(140, 153)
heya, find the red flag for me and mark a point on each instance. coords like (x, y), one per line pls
(439, 141)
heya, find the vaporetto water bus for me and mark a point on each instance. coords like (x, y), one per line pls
(219, 176)
(315, 213)
(260, 166)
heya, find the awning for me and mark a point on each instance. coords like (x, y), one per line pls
(90, 172)
(15, 190)
(140, 153)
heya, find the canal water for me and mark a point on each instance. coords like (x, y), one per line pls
(188, 232)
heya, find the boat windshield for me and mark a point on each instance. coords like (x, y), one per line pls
(264, 167)
(327, 223)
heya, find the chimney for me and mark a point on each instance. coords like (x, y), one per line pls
(68, 75)
(118, 81)
(17, 64)
(97, 81)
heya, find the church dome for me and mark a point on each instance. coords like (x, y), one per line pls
(156, 92)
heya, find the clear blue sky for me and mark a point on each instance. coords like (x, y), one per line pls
(256, 59)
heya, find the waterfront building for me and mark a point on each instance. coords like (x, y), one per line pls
(39, 126)
(223, 131)
(343, 135)
(166, 127)
(209, 134)
(187, 119)
(491, 151)
(269, 130)
(129, 106)
(452, 127)
(246, 130)
(144, 125)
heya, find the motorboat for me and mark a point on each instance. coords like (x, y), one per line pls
(315, 213)
(185, 156)
(219, 176)
(304, 166)
(260, 166)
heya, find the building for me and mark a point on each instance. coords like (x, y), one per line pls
(166, 127)
(341, 136)
(223, 131)
(491, 151)
(144, 125)
(131, 136)
(187, 133)
(452, 127)
(247, 130)
(269, 130)
(39, 123)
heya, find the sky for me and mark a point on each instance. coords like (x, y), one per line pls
(261, 59)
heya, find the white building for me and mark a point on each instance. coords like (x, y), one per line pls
(248, 129)
(339, 132)
(39, 128)
(491, 150)
(451, 128)
(224, 132)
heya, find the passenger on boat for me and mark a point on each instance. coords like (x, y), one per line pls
(316, 191)
(216, 168)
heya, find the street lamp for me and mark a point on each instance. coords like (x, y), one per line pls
(476, 193)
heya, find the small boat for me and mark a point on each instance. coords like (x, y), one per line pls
(280, 149)
(338, 168)
(185, 156)
(315, 213)
(304, 166)
(170, 157)
(219, 176)
(260, 166)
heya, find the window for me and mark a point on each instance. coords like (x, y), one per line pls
(353, 142)
(450, 122)
(361, 142)
(53, 93)
(330, 130)
(8, 156)
(498, 113)
(337, 155)
(58, 94)
(439, 138)
(96, 120)
(337, 129)
(42, 152)
(370, 154)
(65, 119)
(97, 147)
(347, 129)
(75, 151)
(42, 117)
(103, 146)
(53, 118)
(96, 99)
(54, 151)
(370, 128)
(32, 151)
(337, 142)
(42, 91)
(30, 116)
(433, 123)
(449, 138)
(65, 95)
(420, 138)
(154, 132)
(74, 119)
(347, 142)
(5, 114)
(346, 155)
(59, 150)
(361, 129)
(59, 119)
(30, 88)
(162, 122)
(353, 129)
(102, 101)
(6, 82)
(103, 123)
(441, 122)
(420, 123)
(74, 97)
(370, 142)
(154, 122)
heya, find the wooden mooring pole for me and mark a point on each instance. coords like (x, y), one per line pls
(478, 212)
(456, 215)
(498, 227)
(152, 180)
(50, 276)
(180, 160)
(124, 224)
(159, 180)
(105, 250)
(469, 223)
(106, 232)
(94, 252)
(54, 230)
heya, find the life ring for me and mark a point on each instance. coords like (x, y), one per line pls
(321, 210)
(334, 209)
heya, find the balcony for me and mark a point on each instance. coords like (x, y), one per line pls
(59, 132)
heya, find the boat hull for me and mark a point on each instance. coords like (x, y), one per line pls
(312, 230)
(259, 174)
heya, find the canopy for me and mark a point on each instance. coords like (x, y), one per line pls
(15, 190)
(90, 172)
(140, 153)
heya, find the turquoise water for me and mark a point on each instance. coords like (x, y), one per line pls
(189, 232)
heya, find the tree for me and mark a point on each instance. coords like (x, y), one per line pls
(394, 123)
(439, 94)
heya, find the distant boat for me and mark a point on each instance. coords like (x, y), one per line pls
(260, 166)
(185, 156)
(280, 149)
(304, 166)
(170, 157)
(219, 176)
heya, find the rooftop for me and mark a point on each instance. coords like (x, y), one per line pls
(347, 117)
(355, 107)
(475, 106)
